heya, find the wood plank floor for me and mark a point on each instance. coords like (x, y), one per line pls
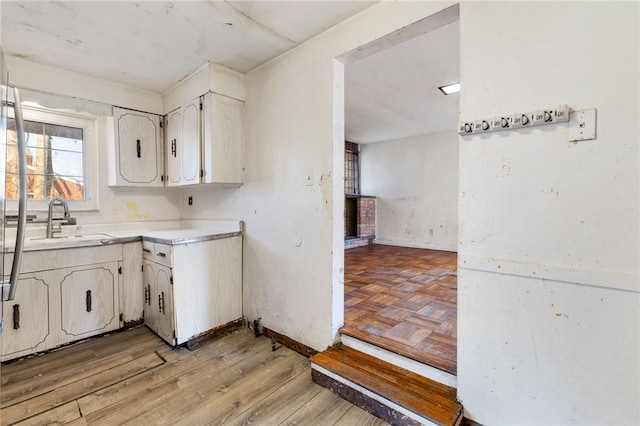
(404, 300)
(133, 377)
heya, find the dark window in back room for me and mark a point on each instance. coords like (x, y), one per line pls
(351, 168)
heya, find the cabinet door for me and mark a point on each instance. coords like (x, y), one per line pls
(158, 300)
(223, 139)
(90, 303)
(207, 290)
(173, 142)
(138, 148)
(191, 143)
(183, 145)
(26, 318)
(150, 295)
(164, 299)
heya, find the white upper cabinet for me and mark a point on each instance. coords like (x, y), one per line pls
(204, 141)
(210, 103)
(191, 141)
(203, 135)
(173, 130)
(138, 156)
(183, 145)
(223, 139)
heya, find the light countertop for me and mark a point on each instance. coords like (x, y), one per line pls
(187, 233)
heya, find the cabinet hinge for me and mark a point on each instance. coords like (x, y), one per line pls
(162, 178)
(120, 270)
(200, 106)
(171, 280)
(201, 173)
(161, 123)
(174, 335)
(142, 268)
(121, 317)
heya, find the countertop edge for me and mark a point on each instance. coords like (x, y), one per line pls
(190, 240)
(111, 240)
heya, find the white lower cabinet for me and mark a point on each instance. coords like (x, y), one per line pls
(89, 300)
(26, 318)
(77, 299)
(158, 300)
(192, 289)
(183, 291)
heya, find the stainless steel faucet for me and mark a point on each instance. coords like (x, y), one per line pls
(54, 228)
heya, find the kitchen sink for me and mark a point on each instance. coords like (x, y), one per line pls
(67, 241)
(71, 238)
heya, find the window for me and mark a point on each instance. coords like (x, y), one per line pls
(351, 168)
(59, 145)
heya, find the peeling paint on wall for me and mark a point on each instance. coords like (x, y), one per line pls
(326, 187)
(505, 168)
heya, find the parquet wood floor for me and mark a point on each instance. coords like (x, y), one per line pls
(404, 300)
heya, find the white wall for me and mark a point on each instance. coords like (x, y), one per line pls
(415, 181)
(549, 293)
(293, 248)
(45, 78)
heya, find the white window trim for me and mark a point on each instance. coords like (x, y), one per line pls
(88, 124)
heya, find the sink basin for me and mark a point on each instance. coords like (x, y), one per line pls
(70, 238)
(64, 241)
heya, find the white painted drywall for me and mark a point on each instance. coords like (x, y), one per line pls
(415, 181)
(45, 78)
(549, 293)
(293, 246)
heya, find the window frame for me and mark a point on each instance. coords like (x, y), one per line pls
(89, 126)
(352, 149)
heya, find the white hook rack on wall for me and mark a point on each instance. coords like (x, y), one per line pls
(515, 121)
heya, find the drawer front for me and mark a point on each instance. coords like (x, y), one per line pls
(147, 250)
(44, 260)
(162, 254)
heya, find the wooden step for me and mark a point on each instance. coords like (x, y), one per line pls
(385, 390)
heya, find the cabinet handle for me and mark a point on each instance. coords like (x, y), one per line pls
(162, 254)
(146, 250)
(147, 295)
(16, 317)
(161, 303)
(138, 148)
(174, 148)
(88, 300)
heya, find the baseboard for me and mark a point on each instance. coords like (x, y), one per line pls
(294, 345)
(469, 422)
(197, 341)
(420, 246)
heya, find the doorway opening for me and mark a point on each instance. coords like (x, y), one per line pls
(401, 287)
